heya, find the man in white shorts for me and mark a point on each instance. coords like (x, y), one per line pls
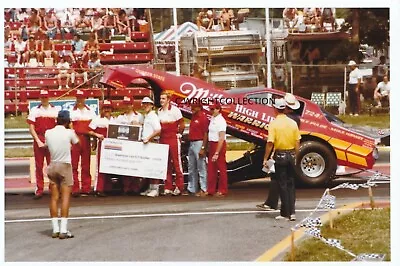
(59, 172)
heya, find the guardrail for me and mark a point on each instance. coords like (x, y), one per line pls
(21, 138)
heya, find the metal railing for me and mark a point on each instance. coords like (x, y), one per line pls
(21, 138)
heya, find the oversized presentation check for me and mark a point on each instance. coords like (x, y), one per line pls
(133, 158)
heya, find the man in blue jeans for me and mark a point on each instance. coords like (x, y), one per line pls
(197, 158)
(284, 139)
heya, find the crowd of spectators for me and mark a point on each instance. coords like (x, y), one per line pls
(310, 19)
(39, 29)
(225, 19)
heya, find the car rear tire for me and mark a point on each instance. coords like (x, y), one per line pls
(316, 164)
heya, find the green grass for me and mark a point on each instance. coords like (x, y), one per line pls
(18, 152)
(362, 231)
(378, 120)
(16, 122)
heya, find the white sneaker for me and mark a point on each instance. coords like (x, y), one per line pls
(59, 87)
(153, 193)
(67, 86)
(176, 192)
(281, 218)
(167, 192)
(292, 217)
(355, 114)
(351, 114)
(144, 193)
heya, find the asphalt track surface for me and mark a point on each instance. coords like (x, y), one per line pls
(184, 228)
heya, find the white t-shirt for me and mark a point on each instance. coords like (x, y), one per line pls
(58, 140)
(132, 118)
(217, 124)
(63, 67)
(383, 88)
(19, 46)
(170, 115)
(151, 123)
(100, 122)
(354, 76)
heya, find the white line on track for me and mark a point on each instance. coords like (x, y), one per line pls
(153, 215)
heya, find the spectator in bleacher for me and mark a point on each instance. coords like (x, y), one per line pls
(382, 91)
(34, 23)
(98, 26)
(48, 50)
(50, 24)
(82, 24)
(22, 15)
(110, 24)
(123, 23)
(225, 20)
(79, 69)
(290, 17)
(63, 67)
(41, 118)
(19, 47)
(32, 50)
(67, 25)
(94, 68)
(328, 16)
(78, 46)
(92, 46)
(309, 16)
(132, 16)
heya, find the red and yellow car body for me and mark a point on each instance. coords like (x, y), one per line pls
(249, 111)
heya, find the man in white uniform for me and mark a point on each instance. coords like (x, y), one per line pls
(151, 130)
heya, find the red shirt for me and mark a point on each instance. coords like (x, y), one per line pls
(198, 126)
(42, 118)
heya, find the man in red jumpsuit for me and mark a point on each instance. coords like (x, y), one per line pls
(81, 116)
(172, 127)
(98, 128)
(40, 119)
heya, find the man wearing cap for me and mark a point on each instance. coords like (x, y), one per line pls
(151, 130)
(81, 116)
(58, 141)
(217, 153)
(129, 117)
(284, 140)
(41, 118)
(197, 162)
(98, 129)
(292, 104)
(172, 127)
(355, 79)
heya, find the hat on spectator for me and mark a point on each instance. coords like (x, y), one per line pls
(44, 94)
(215, 105)
(280, 103)
(147, 100)
(352, 63)
(291, 101)
(127, 100)
(80, 94)
(64, 114)
(107, 103)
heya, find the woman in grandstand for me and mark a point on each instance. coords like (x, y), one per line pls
(34, 23)
(31, 50)
(92, 46)
(82, 23)
(110, 24)
(48, 50)
(97, 26)
(123, 23)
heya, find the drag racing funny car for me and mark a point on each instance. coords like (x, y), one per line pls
(326, 141)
